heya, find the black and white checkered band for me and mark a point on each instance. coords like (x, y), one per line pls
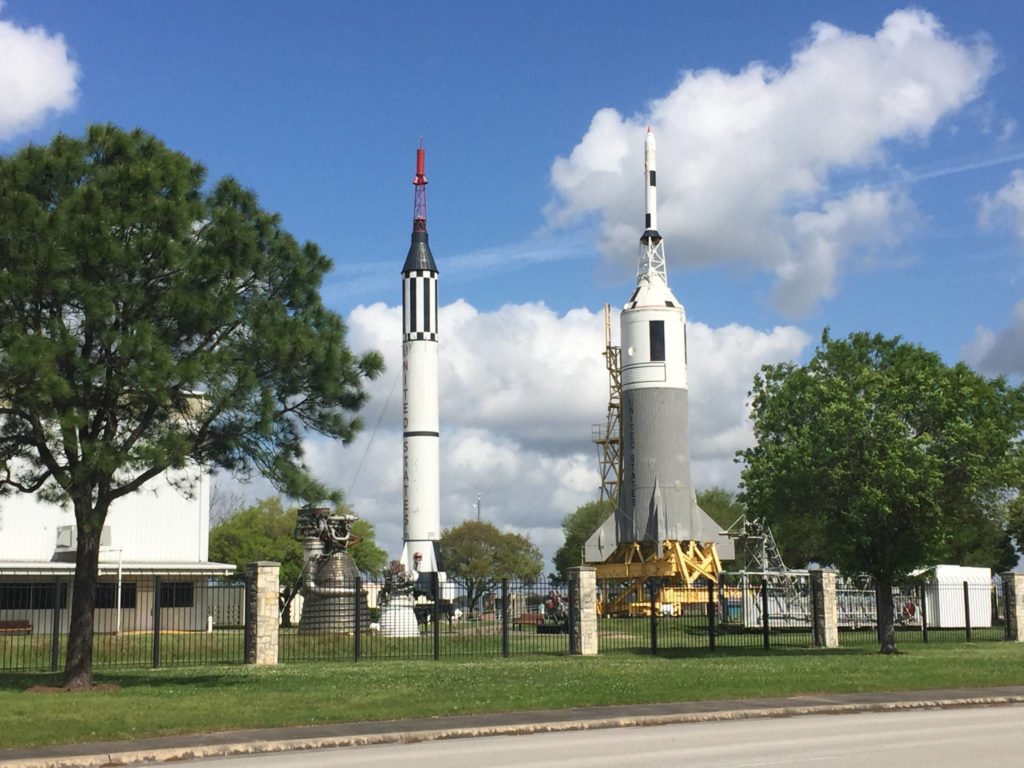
(420, 336)
(420, 273)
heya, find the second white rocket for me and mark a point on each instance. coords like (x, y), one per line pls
(421, 493)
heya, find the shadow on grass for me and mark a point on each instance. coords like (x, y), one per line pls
(747, 653)
(143, 679)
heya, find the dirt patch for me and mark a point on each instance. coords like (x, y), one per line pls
(101, 688)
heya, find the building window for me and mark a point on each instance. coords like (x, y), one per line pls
(31, 596)
(177, 594)
(657, 332)
(106, 594)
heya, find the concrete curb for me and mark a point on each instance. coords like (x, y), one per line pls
(198, 751)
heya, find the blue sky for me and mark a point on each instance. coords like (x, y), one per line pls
(848, 165)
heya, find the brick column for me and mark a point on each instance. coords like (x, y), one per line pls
(584, 603)
(1015, 605)
(826, 609)
(262, 585)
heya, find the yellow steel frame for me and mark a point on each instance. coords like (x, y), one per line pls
(681, 561)
(687, 560)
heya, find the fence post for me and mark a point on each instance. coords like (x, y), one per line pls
(1006, 607)
(583, 610)
(1014, 606)
(436, 590)
(652, 587)
(967, 612)
(924, 614)
(262, 584)
(504, 618)
(824, 608)
(156, 622)
(765, 627)
(711, 615)
(357, 637)
(570, 626)
(55, 626)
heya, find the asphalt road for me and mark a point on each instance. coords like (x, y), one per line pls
(978, 737)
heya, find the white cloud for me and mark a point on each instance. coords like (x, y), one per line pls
(999, 352)
(1006, 206)
(37, 77)
(745, 159)
(521, 388)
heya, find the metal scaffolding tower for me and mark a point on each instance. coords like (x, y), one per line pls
(607, 437)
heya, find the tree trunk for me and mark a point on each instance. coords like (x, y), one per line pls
(78, 668)
(886, 628)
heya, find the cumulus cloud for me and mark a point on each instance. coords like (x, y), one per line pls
(745, 160)
(999, 352)
(1006, 206)
(521, 388)
(37, 77)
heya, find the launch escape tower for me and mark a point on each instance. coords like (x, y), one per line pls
(657, 529)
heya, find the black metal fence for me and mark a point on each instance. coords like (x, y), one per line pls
(142, 620)
(139, 620)
(925, 612)
(741, 610)
(440, 620)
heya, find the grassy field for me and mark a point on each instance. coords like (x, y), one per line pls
(166, 701)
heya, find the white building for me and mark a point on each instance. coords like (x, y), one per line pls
(156, 536)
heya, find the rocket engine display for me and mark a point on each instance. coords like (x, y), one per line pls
(421, 494)
(657, 502)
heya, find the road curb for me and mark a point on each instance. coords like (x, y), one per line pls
(254, 747)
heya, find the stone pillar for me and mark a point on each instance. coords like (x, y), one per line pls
(1014, 594)
(583, 581)
(262, 585)
(826, 608)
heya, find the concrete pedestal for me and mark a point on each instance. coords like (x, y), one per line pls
(1014, 595)
(397, 618)
(826, 609)
(262, 586)
(583, 581)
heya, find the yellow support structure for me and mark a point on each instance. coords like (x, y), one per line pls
(682, 562)
(689, 560)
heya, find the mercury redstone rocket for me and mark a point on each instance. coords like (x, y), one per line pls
(421, 516)
(656, 502)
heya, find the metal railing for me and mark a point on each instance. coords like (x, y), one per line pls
(451, 619)
(925, 612)
(742, 610)
(138, 621)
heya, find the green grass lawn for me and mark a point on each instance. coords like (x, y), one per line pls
(183, 700)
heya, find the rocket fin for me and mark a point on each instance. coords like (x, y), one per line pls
(602, 542)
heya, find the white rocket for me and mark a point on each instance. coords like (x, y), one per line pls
(421, 497)
(656, 498)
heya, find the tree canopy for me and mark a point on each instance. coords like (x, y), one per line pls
(881, 458)
(479, 556)
(577, 527)
(150, 323)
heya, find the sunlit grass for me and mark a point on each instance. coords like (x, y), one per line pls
(180, 700)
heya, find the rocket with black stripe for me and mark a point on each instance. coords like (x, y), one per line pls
(421, 496)
(657, 502)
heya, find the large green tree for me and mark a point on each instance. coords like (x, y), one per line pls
(150, 322)
(577, 527)
(479, 556)
(882, 456)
